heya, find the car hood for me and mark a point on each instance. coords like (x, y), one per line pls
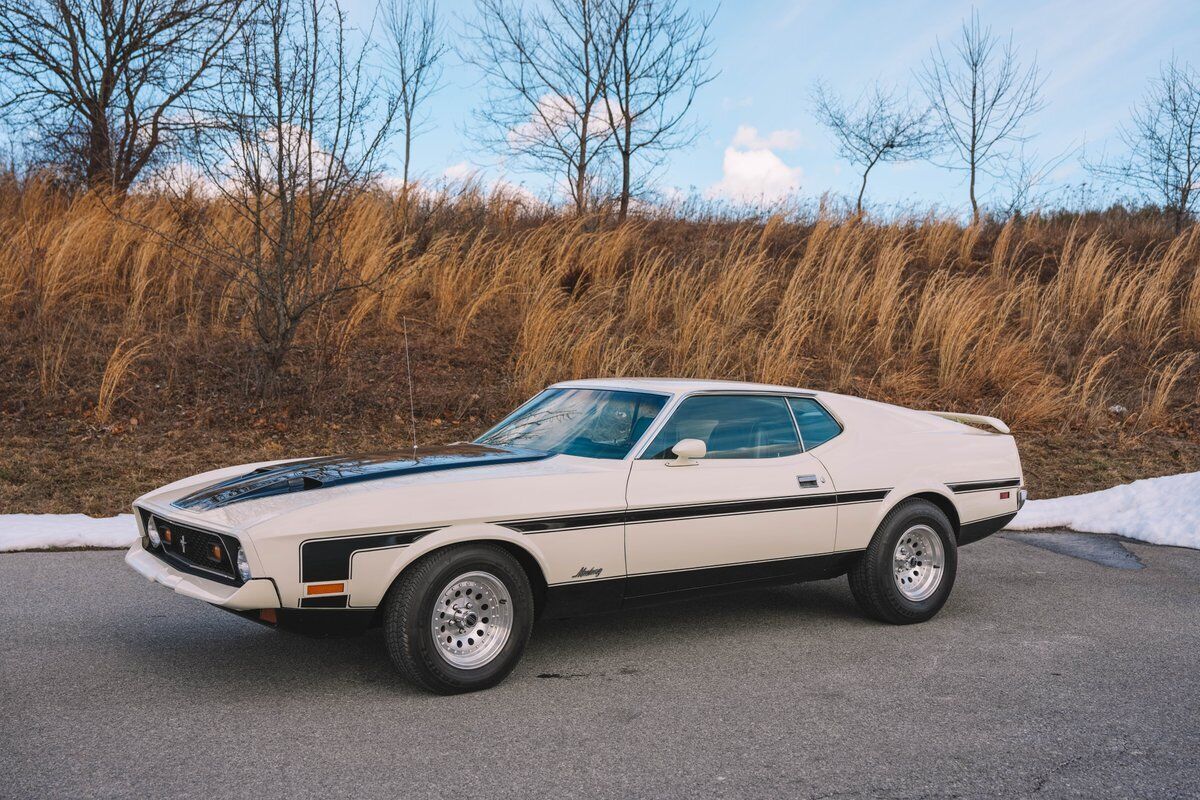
(313, 474)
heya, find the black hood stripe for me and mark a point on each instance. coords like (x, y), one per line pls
(320, 473)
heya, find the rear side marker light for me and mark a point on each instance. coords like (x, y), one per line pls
(327, 588)
(1005, 495)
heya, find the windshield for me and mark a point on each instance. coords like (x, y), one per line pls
(594, 423)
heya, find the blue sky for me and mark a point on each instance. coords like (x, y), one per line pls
(758, 125)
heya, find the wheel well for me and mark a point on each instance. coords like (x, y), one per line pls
(945, 505)
(533, 571)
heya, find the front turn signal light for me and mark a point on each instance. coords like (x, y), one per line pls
(327, 588)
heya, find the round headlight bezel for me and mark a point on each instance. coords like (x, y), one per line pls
(152, 533)
(243, 565)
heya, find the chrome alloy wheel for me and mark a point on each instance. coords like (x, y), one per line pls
(918, 561)
(472, 619)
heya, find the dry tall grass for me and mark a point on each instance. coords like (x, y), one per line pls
(1041, 322)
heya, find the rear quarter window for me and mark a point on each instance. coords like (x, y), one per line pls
(816, 424)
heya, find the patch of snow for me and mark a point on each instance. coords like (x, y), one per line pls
(1162, 510)
(42, 531)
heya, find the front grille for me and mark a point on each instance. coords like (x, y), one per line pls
(208, 552)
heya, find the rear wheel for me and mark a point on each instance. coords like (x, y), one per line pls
(458, 619)
(908, 569)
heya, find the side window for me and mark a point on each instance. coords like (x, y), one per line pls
(816, 426)
(731, 426)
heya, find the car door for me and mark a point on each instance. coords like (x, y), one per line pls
(752, 506)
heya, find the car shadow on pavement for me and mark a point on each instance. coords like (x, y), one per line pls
(279, 663)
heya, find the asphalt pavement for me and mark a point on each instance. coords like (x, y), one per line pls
(1047, 674)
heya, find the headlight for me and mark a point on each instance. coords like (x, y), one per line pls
(243, 565)
(152, 532)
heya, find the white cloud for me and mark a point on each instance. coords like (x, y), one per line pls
(554, 115)
(752, 171)
(747, 138)
(179, 177)
(462, 171)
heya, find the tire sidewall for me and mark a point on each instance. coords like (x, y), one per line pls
(917, 513)
(459, 562)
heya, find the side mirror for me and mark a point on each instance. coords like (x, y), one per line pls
(686, 451)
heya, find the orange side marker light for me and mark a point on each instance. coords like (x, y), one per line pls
(327, 588)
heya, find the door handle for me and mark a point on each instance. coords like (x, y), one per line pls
(808, 481)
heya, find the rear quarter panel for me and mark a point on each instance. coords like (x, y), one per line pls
(910, 453)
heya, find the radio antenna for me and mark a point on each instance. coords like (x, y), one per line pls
(412, 409)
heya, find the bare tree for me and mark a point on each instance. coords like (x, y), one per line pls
(1163, 140)
(98, 79)
(1026, 182)
(660, 59)
(416, 49)
(547, 68)
(881, 126)
(982, 97)
(288, 140)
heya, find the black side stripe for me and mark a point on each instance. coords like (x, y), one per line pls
(599, 519)
(978, 486)
(329, 559)
(636, 516)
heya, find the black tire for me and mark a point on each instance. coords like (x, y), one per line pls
(409, 608)
(873, 580)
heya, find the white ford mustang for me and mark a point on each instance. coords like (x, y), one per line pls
(594, 495)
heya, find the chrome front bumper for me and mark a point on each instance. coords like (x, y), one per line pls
(253, 594)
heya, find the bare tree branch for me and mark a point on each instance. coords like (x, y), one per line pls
(99, 81)
(1163, 143)
(287, 140)
(415, 50)
(546, 70)
(982, 98)
(661, 55)
(881, 126)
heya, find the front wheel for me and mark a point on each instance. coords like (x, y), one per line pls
(908, 569)
(458, 619)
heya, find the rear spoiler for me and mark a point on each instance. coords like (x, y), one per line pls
(975, 419)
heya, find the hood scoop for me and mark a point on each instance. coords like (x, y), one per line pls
(321, 473)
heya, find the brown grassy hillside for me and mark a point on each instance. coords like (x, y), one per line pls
(127, 358)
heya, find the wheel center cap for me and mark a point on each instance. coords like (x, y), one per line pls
(462, 618)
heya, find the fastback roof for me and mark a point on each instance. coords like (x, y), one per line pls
(677, 385)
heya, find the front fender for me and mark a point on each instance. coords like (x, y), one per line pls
(373, 571)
